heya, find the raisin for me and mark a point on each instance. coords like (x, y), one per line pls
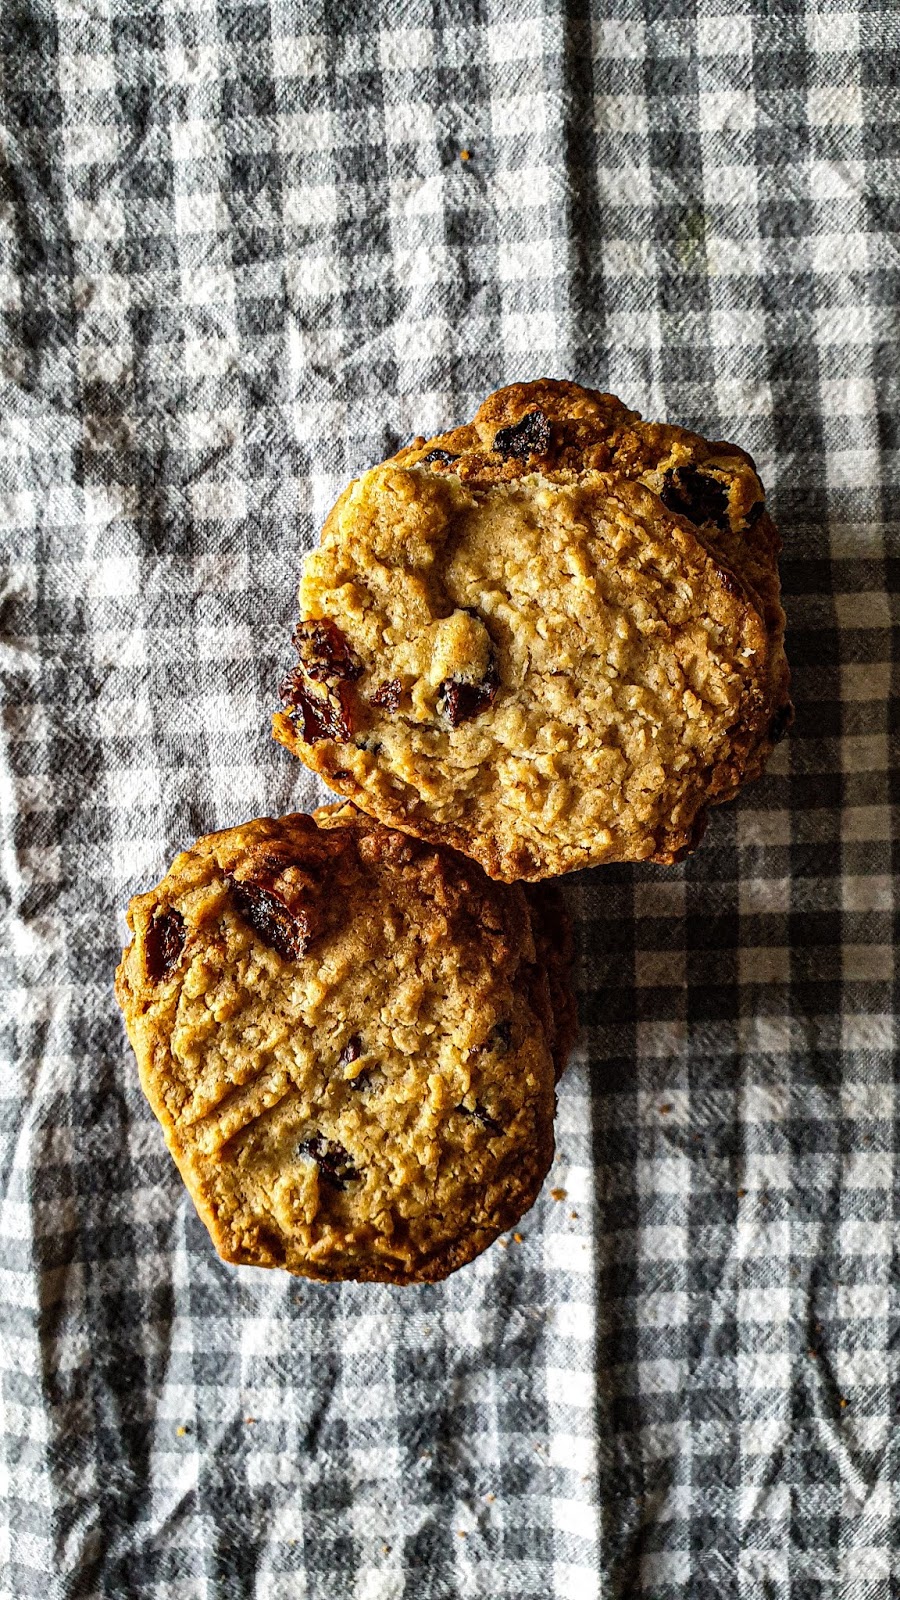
(695, 495)
(326, 658)
(388, 695)
(352, 1051)
(163, 944)
(322, 718)
(460, 701)
(781, 721)
(528, 437)
(332, 1160)
(283, 930)
(755, 513)
(442, 456)
(324, 652)
(480, 1115)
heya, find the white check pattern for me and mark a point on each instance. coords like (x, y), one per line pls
(245, 250)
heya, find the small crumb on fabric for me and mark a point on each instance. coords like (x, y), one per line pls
(558, 1194)
(465, 155)
(181, 1431)
(490, 1498)
(573, 1215)
(664, 1110)
(385, 1549)
(844, 1403)
(741, 1193)
(461, 1533)
(503, 1243)
(248, 1420)
(519, 1238)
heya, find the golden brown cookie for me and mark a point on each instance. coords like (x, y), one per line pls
(549, 638)
(348, 1036)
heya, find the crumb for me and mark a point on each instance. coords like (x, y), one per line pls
(248, 1420)
(844, 1403)
(558, 1194)
(741, 1193)
(465, 155)
(519, 1238)
(181, 1431)
(461, 1533)
(385, 1549)
(664, 1110)
(574, 1215)
(490, 1498)
(504, 1243)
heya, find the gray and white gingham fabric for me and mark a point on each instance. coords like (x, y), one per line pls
(242, 256)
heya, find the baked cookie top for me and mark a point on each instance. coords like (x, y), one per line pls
(348, 1036)
(549, 638)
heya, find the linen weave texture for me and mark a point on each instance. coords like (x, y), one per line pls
(246, 250)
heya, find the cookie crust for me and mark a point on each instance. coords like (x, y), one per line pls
(549, 638)
(348, 1037)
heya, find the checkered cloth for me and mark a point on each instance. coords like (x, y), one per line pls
(246, 250)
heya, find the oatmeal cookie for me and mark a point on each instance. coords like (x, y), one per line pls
(549, 638)
(348, 1036)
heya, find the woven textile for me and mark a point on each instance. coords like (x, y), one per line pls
(246, 250)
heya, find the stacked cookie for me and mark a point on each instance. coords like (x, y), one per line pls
(350, 1038)
(544, 640)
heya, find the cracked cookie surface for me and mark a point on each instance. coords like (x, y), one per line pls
(349, 1038)
(549, 638)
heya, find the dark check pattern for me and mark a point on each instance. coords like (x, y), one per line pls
(242, 255)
